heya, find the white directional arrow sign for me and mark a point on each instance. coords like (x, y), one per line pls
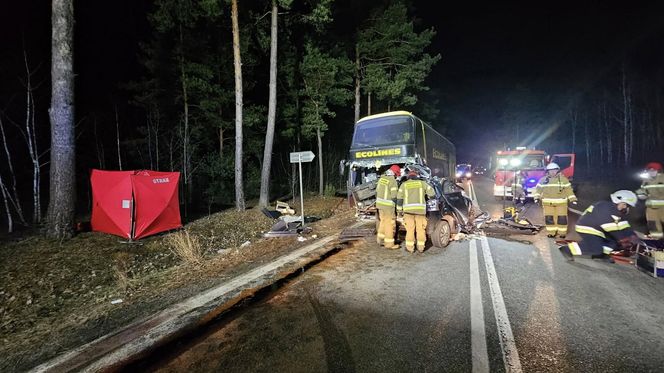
(307, 156)
(299, 157)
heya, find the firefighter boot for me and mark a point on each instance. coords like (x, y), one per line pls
(567, 253)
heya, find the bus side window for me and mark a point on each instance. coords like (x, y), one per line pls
(420, 139)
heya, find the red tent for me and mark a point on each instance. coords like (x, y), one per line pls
(134, 204)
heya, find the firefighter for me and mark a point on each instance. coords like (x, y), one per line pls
(555, 191)
(603, 228)
(652, 191)
(386, 197)
(518, 190)
(412, 203)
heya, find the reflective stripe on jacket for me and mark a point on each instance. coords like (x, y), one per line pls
(653, 191)
(386, 192)
(411, 197)
(604, 220)
(554, 189)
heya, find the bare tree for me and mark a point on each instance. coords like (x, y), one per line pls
(62, 201)
(31, 140)
(358, 71)
(117, 136)
(272, 112)
(5, 199)
(627, 130)
(239, 184)
(13, 195)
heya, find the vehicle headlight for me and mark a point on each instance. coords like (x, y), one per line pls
(468, 174)
(458, 174)
(360, 204)
(503, 162)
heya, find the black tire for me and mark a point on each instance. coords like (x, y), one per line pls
(441, 234)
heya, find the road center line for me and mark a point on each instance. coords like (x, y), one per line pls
(507, 344)
(480, 357)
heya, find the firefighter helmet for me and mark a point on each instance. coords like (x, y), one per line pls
(396, 170)
(626, 196)
(552, 166)
(654, 166)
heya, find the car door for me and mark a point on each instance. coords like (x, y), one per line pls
(566, 163)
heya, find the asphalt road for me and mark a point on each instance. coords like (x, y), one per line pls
(481, 304)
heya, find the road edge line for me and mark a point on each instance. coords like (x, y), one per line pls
(505, 335)
(479, 352)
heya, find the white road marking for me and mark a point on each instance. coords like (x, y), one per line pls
(480, 357)
(507, 344)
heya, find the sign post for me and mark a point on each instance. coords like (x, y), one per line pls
(299, 157)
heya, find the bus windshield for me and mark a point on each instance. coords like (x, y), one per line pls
(520, 162)
(384, 131)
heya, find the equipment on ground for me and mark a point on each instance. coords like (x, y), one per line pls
(650, 257)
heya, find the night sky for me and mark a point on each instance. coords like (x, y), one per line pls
(487, 49)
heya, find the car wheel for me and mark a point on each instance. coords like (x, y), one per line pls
(441, 234)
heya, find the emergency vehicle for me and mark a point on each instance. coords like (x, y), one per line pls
(531, 163)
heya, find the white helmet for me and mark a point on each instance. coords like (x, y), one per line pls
(626, 196)
(552, 166)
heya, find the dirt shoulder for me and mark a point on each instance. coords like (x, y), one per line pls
(58, 295)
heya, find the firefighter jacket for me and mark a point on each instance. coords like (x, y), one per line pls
(603, 219)
(386, 193)
(411, 197)
(653, 191)
(554, 190)
(518, 181)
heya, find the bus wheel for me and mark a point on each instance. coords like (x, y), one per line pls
(441, 234)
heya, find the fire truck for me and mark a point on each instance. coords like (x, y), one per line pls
(531, 163)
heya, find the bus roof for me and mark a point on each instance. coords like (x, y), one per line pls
(388, 114)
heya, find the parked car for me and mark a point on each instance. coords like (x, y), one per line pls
(479, 170)
(463, 172)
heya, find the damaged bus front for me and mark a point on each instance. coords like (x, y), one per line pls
(382, 140)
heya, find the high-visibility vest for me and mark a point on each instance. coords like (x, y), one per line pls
(555, 190)
(386, 193)
(653, 190)
(411, 197)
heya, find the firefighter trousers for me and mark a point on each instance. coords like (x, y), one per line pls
(416, 226)
(655, 218)
(555, 218)
(592, 246)
(387, 227)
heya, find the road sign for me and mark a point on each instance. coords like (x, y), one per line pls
(299, 157)
(307, 156)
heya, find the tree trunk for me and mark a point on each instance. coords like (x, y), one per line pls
(239, 185)
(609, 145)
(117, 137)
(264, 198)
(320, 162)
(573, 122)
(357, 83)
(62, 201)
(626, 125)
(186, 163)
(13, 195)
(32, 144)
(5, 197)
(369, 103)
(587, 141)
